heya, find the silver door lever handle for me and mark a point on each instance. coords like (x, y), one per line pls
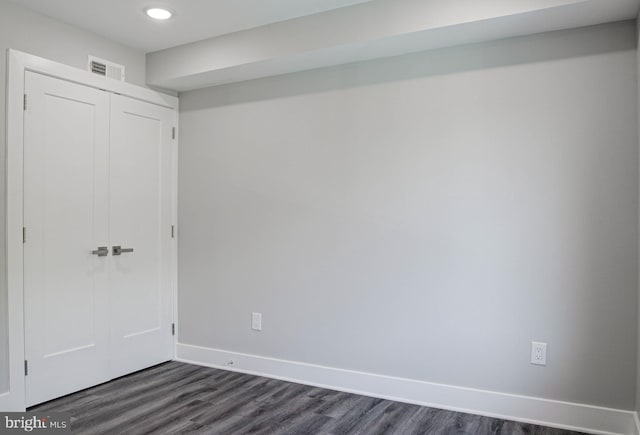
(117, 250)
(102, 251)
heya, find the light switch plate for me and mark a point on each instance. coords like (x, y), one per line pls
(256, 321)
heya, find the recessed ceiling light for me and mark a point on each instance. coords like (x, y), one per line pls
(159, 13)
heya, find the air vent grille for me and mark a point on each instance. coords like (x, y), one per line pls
(106, 68)
(98, 68)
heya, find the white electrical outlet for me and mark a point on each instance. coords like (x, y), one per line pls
(538, 353)
(256, 321)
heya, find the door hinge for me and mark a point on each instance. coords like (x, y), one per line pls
(173, 231)
(26, 367)
(173, 133)
(24, 102)
(173, 329)
(24, 234)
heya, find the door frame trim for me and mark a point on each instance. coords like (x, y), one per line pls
(17, 64)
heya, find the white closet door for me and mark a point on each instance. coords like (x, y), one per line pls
(66, 147)
(140, 220)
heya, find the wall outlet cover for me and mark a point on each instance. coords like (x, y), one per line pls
(538, 353)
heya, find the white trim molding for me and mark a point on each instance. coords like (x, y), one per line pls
(5, 402)
(17, 64)
(553, 413)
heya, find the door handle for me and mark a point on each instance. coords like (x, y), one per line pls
(102, 251)
(117, 250)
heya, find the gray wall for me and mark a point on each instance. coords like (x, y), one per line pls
(426, 216)
(27, 31)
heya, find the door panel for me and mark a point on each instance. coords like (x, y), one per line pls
(65, 213)
(140, 219)
(98, 172)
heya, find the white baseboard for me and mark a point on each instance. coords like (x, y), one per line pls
(5, 402)
(564, 415)
(8, 403)
(635, 415)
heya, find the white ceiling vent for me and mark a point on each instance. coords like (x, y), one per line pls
(106, 68)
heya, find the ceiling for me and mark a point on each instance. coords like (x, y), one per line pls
(124, 20)
(214, 42)
(371, 30)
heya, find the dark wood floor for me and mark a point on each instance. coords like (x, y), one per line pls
(177, 398)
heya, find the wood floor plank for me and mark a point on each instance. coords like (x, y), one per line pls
(339, 405)
(240, 403)
(178, 398)
(355, 417)
(302, 424)
(269, 415)
(390, 420)
(116, 402)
